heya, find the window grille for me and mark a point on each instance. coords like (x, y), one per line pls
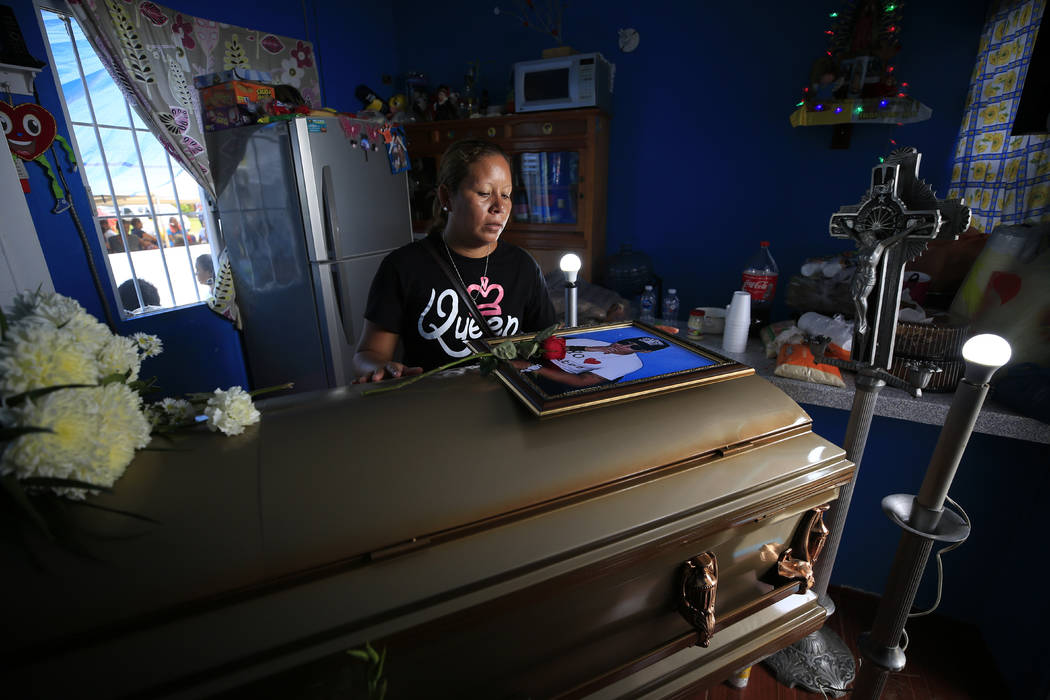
(148, 212)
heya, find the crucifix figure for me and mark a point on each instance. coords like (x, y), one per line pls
(892, 225)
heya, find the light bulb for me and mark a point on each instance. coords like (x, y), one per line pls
(984, 354)
(570, 265)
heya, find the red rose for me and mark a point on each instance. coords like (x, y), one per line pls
(554, 348)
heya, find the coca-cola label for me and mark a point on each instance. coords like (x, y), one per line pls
(760, 287)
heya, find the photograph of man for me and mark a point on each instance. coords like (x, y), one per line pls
(590, 362)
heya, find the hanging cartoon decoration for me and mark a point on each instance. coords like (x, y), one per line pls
(30, 130)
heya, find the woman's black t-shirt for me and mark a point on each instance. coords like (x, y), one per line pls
(413, 297)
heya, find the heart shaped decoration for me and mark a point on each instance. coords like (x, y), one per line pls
(1005, 284)
(29, 129)
(489, 308)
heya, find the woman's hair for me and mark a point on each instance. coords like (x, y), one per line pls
(205, 264)
(455, 163)
(644, 344)
(130, 300)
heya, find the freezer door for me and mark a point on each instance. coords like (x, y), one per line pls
(352, 203)
(263, 227)
(343, 288)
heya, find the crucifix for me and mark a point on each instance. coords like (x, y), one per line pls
(892, 226)
(894, 222)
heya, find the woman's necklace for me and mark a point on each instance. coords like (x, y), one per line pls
(474, 295)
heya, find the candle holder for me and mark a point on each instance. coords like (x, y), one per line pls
(570, 266)
(924, 518)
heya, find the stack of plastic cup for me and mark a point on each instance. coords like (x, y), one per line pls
(738, 321)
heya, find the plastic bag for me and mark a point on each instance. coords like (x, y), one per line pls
(796, 361)
(836, 327)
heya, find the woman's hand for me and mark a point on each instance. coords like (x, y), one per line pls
(374, 360)
(388, 370)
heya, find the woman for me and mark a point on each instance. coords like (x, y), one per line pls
(412, 299)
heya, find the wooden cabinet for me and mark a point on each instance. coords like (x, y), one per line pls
(560, 162)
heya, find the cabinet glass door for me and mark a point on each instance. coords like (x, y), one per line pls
(546, 187)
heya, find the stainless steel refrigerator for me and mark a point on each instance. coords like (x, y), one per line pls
(306, 216)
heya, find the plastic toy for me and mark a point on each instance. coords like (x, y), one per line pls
(30, 130)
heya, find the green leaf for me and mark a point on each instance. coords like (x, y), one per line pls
(528, 349)
(545, 333)
(382, 660)
(7, 434)
(144, 387)
(67, 483)
(488, 364)
(359, 654)
(37, 393)
(371, 652)
(382, 691)
(268, 389)
(114, 378)
(505, 350)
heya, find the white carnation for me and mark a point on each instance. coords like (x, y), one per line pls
(119, 355)
(149, 345)
(50, 306)
(35, 354)
(170, 412)
(95, 432)
(230, 411)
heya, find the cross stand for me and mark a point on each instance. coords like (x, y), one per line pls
(891, 226)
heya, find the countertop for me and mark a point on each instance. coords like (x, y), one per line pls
(931, 408)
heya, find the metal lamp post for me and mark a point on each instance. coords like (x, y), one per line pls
(924, 519)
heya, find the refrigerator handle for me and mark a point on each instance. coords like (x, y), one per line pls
(345, 321)
(331, 238)
(331, 217)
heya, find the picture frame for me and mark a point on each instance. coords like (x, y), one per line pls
(636, 360)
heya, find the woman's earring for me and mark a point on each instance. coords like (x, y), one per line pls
(444, 208)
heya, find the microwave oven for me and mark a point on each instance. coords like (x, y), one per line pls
(566, 82)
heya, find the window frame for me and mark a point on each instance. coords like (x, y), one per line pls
(210, 223)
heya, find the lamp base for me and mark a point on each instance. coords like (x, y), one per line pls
(819, 662)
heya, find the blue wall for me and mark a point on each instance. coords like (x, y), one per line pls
(704, 162)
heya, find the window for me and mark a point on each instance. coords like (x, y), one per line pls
(148, 210)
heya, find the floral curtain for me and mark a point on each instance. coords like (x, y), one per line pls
(153, 54)
(1002, 177)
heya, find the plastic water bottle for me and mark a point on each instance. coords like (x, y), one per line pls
(760, 281)
(670, 307)
(648, 304)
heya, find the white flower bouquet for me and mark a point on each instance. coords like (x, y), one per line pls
(71, 408)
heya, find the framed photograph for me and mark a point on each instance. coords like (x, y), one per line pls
(611, 363)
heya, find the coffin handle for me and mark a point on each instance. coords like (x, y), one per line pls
(809, 540)
(696, 603)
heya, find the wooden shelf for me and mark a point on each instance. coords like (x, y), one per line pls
(585, 131)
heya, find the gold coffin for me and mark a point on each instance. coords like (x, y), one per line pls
(635, 550)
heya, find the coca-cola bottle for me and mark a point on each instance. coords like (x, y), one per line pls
(760, 281)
